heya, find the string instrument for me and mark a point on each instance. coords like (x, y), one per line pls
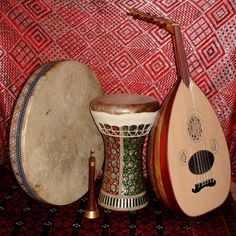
(188, 163)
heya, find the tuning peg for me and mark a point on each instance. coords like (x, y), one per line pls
(162, 25)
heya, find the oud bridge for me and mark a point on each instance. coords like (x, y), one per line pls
(207, 183)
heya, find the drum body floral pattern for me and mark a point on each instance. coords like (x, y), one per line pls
(123, 186)
(132, 174)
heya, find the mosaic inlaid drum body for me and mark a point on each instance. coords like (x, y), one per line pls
(124, 121)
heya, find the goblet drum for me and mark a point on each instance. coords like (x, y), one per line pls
(124, 121)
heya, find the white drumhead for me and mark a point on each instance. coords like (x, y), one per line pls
(52, 133)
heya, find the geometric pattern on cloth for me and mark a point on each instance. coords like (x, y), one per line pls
(127, 56)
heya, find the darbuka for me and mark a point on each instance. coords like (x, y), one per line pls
(124, 121)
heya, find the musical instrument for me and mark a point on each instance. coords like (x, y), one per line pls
(189, 164)
(52, 132)
(124, 120)
(91, 211)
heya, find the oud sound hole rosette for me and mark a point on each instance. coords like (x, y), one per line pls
(195, 128)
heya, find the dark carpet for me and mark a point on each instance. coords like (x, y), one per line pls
(22, 215)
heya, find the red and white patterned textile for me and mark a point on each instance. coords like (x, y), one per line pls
(127, 56)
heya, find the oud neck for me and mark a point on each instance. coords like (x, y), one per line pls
(174, 29)
(180, 56)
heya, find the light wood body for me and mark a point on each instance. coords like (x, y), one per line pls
(171, 176)
(189, 163)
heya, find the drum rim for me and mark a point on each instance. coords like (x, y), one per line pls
(124, 103)
(17, 120)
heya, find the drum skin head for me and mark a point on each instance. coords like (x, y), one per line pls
(53, 132)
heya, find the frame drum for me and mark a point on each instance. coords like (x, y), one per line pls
(52, 133)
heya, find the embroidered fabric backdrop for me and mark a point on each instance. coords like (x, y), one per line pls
(127, 56)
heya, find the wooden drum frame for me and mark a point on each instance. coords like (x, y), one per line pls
(52, 132)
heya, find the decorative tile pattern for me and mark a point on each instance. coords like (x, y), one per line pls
(123, 64)
(211, 52)
(205, 5)
(37, 9)
(127, 56)
(168, 6)
(23, 54)
(123, 183)
(199, 31)
(72, 43)
(21, 19)
(132, 166)
(72, 13)
(37, 36)
(112, 166)
(221, 13)
(185, 14)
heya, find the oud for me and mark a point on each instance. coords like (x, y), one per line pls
(188, 160)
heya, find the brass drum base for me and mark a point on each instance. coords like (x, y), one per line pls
(91, 214)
